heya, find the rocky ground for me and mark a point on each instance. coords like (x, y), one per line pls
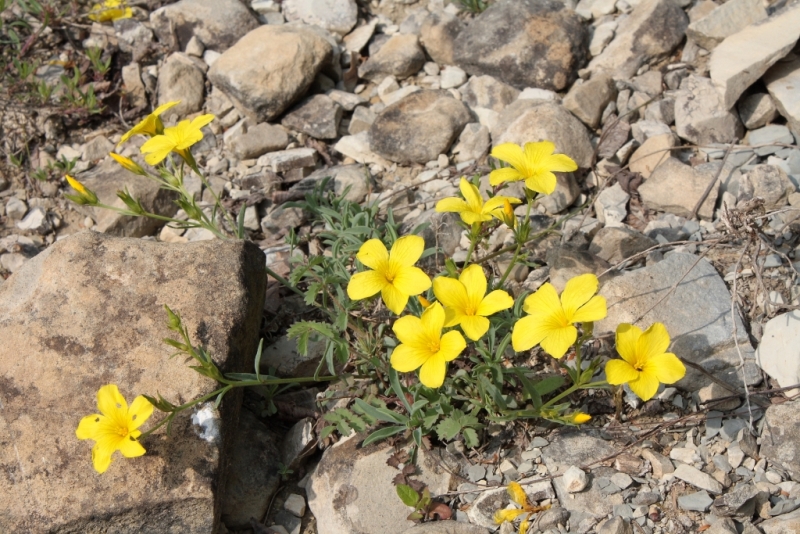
(684, 118)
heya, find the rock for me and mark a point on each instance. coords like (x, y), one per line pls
(438, 34)
(611, 205)
(727, 19)
(253, 476)
(279, 220)
(527, 121)
(616, 525)
(653, 152)
(400, 56)
(769, 182)
(336, 16)
(16, 208)
(317, 116)
(757, 110)
(348, 101)
(97, 148)
(438, 234)
(736, 64)
(602, 35)
(357, 147)
(778, 440)
(134, 87)
(258, 140)
(473, 143)
(660, 464)
(551, 518)
(452, 77)
(615, 244)
(697, 478)
(645, 129)
(362, 119)
(35, 221)
(700, 331)
(783, 524)
(739, 502)
(652, 30)
(55, 332)
(563, 196)
(353, 178)
(295, 504)
(768, 135)
(270, 68)
(351, 489)
(676, 188)
(217, 23)
(542, 44)
(782, 81)
(446, 527)
(132, 35)
(575, 480)
(179, 79)
(419, 127)
(487, 92)
(396, 96)
(286, 160)
(778, 353)
(283, 356)
(701, 114)
(566, 262)
(697, 502)
(588, 100)
(484, 506)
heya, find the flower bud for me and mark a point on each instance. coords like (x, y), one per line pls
(128, 164)
(84, 196)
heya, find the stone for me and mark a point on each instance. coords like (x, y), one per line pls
(735, 64)
(351, 488)
(645, 129)
(697, 502)
(695, 477)
(317, 116)
(270, 68)
(280, 219)
(295, 504)
(652, 153)
(575, 480)
(356, 40)
(778, 440)
(438, 34)
(566, 262)
(778, 353)
(701, 114)
(348, 101)
(729, 18)
(396, 96)
(55, 332)
(132, 35)
(662, 111)
(298, 443)
(769, 182)
(97, 148)
(355, 179)
(180, 80)
(437, 235)
(602, 35)
(336, 16)
(768, 135)
(700, 330)
(418, 128)
(134, 87)
(757, 110)
(217, 23)
(542, 44)
(616, 525)
(487, 92)
(723, 526)
(286, 160)
(357, 147)
(16, 208)
(528, 121)
(563, 196)
(782, 81)
(361, 120)
(611, 205)
(283, 356)
(452, 77)
(783, 524)
(676, 188)
(446, 527)
(651, 31)
(473, 143)
(615, 244)
(35, 221)
(258, 140)
(588, 100)
(685, 455)
(740, 501)
(401, 56)
(482, 510)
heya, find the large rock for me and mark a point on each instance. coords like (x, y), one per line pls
(336, 16)
(616, 243)
(317, 116)
(524, 43)
(735, 64)
(651, 154)
(588, 100)
(351, 489)
(783, 524)
(778, 354)
(701, 114)
(89, 311)
(781, 436)
(217, 23)
(700, 328)
(401, 56)
(270, 68)
(179, 80)
(652, 30)
(769, 182)
(676, 188)
(438, 34)
(487, 92)
(782, 82)
(727, 19)
(527, 121)
(419, 127)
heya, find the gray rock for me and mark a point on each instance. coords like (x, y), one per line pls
(727, 19)
(696, 502)
(701, 114)
(566, 262)
(660, 464)
(575, 480)
(317, 116)
(645, 129)
(278, 221)
(649, 83)
(542, 44)
(476, 472)
(757, 110)
(488, 502)
(400, 56)
(676, 188)
(615, 244)
(473, 143)
(336, 16)
(217, 23)
(438, 34)
(616, 525)
(778, 353)
(357, 39)
(602, 35)
(446, 527)
(16, 208)
(270, 68)
(652, 30)
(438, 234)
(740, 501)
(295, 504)
(348, 101)
(779, 438)
(611, 205)
(550, 519)
(286, 160)
(362, 119)
(527, 121)
(419, 127)
(97, 148)
(35, 221)
(662, 111)
(697, 478)
(258, 140)
(452, 77)
(769, 182)
(735, 63)
(132, 35)
(298, 443)
(774, 133)
(563, 196)
(653, 152)
(179, 79)
(782, 81)
(355, 179)
(700, 331)
(588, 100)
(783, 524)
(723, 526)
(487, 92)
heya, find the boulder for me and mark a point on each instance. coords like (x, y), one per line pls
(336, 16)
(729, 18)
(782, 82)
(487, 92)
(217, 23)
(701, 114)
(438, 34)
(89, 311)
(676, 188)
(179, 79)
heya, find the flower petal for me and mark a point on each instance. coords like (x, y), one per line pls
(543, 182)
(537, 153)
(406, 359)
(494, 302)
(517, 494)
(164, 107)
(157, 148)
(407, 250)
(394, 299)
(577, 292)
(131, 448)
(559, 340)
(505, 174)
(475, 326)
(366, 284)
(470, 217)
(202, 120)
(512, 154)
(471, 195)
(373, 254)
(451, 345)
(139, 412)
(527, 333)
(667, 368)
(89, 426)
(627, 341)
(594, 310)
(453, 317)
(645, 386)
(433, 321)
(619, 372)
(409, 331)
(509, 514)
(451, 293)
(524, 526)
(411, 280)
(451, 204)
(432, 372)
(559, 163)
(474, 281)
(654, 341)
(110, 401)
(544, 302)
(101, 457)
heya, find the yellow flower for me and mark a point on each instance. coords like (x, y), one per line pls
(472, 209)
(578, 418)
(518, 495)
(115, 427)
(550, 320)
(507, 214)
(466, 302)
(645, 361)
(84, 196)
(127, 163)
(392, 274)
(150, 125)
(177, 138)
(535, 164)
(110, 10)
(423, 345)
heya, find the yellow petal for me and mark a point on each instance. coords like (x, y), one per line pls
(559, 340)
(474, 281)
(89, 426)
(653, 341)
(512, 154)
(451, 293)
(101, 457)
(407, 250)
(406, 359)
(432, 372)
(577, 292)
(475, 326)
(110, 401)
(394, 299)
(139, 412)
(471, 195)
(366, 284)
(505, 174)
(373, 254)
(470, 217)
(523, 527)
(527, 333)
(498, 202)
(494, 302)
(509, 514)
(451, 345)
(411, 281)
(579, 418)
(433, 321)
(183, 135)
(75, 184)
(409, 331)
(594, 310)
(667, 368)
(157, 148)
(202, 120)
(543, 182)
(545, 303)
(536, 153)
(517, 494)
(559, 163)
(627, 341)
(164, 107)
(452, 317)
(451, 204)
(131, 448)
(619, 372)
(645, 387)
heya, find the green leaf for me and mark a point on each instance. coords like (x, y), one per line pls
(414, 516)
(381, 414)
(394, 380)
(383, 433)
(448, 428)
(408, 495)
(257, 364)
(327, 431)
(470, 438)
(549, 384)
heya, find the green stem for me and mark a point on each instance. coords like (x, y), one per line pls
(573, 389)
(283, 281)
(473, 241)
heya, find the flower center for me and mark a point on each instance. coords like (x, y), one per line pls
(433, 346)
(122, 431)
(470, 310)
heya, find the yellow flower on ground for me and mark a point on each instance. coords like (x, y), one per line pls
(110, 10)
(392, 274)
(518, 495)
(115, 427)
(645, 362)
(127, 163)
(422, 345)
(473, 209)
(578, 418)
(150, 125)
(550, 320)
(535, 164)
(466, 302)
(176, 139)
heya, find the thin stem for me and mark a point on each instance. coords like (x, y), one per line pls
(473, 241)
(283, 281)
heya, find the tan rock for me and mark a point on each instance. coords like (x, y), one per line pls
(651, 154)
(88, 311)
